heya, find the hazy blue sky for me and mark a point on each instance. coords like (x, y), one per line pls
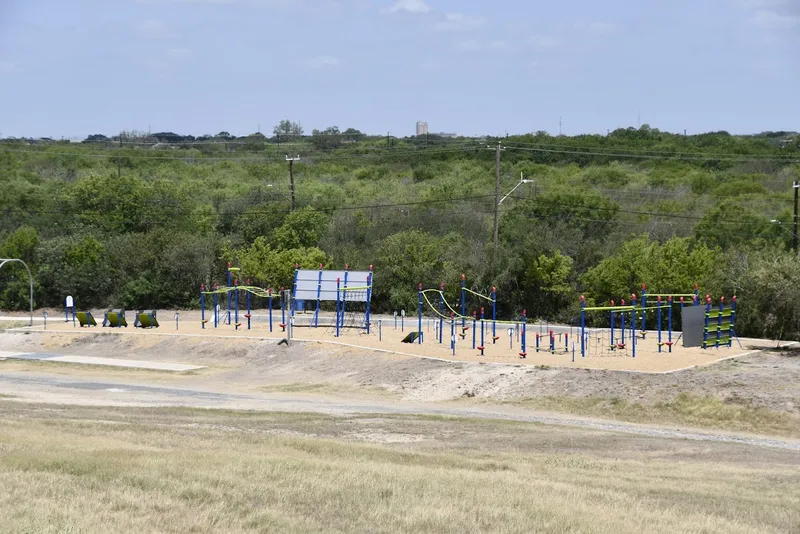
(201, 66)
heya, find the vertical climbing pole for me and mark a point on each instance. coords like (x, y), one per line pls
(453, 332)
(622, 324)
(344, 294)
(216, 315)
(441, 310)
(731, 332)
(474, 327)
(613, 326)
(283, 311)
(419, 315)
(294, 290)
(249, 315)
(583, 327)
(633, 315)
(669, 323)
(522, 353)
(269, 293)
(644, 310)
(229, 292)
(658, 313)
(338, 292)
(319, 292)
(203, 305)
(369, 296)
(483, 344)
(633, 332)
(463, 300)
(494, 315)
(236, 311)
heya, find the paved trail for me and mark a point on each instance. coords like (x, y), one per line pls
(54, 389)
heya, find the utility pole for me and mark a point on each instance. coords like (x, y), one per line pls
(497, 193)
(119, 163)
(291, 176)
(796, 187)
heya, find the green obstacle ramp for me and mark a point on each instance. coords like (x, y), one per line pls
(411, 337)
(86, 319)
(146, 320)
(115, 318)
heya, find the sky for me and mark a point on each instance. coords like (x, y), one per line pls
(473, 67)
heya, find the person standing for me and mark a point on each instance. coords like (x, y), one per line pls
(69, 306)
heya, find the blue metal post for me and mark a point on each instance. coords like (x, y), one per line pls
(482, 329)
(696, 295)
(283, 312)
(622, 322)
(613, 326)
(669, 323)
(369, 295)
(441, 310)
(249, 315)
(338, 291)
(269, 292)
(644, 310)
(474, 327)
(633, 332)
(203, 305)
(522, 353)
(419, 315)
(229, 293)
(583, 327)
(659, 323)
(463, 300)
(294, 289)
(453, 332)
(705, 329)
(319, 291)
(494, 315)
(236, 311)
(216, 315)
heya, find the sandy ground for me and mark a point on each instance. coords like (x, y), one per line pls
(769, 379)
(385, 337)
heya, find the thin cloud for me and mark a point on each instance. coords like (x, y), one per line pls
(410, 6)
(458, 22)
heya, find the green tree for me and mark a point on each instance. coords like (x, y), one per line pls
(300, 229)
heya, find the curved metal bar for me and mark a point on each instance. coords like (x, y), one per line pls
(3, 261)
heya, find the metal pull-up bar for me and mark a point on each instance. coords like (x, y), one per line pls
(3, 261)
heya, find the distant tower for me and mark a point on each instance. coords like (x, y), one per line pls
(422, 128)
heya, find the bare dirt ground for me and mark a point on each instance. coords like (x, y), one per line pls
(755, 393)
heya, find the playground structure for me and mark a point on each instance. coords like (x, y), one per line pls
(231, 293)
(446, 314)
(601, 342)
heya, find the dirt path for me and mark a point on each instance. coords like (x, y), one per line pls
(50, 389)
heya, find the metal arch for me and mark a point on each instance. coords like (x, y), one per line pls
(3, 261)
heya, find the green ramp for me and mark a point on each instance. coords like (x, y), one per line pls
(86, 319)
(411, 337)
(146, 320)
(115, 318)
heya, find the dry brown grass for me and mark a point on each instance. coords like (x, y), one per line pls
(116, 470)
(683, 409)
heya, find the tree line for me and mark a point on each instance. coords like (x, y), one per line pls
(142, 224)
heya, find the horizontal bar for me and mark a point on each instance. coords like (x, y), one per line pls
(692, 295)
(610, 308)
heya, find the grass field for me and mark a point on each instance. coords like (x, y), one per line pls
(685, 410)
(71, 469)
